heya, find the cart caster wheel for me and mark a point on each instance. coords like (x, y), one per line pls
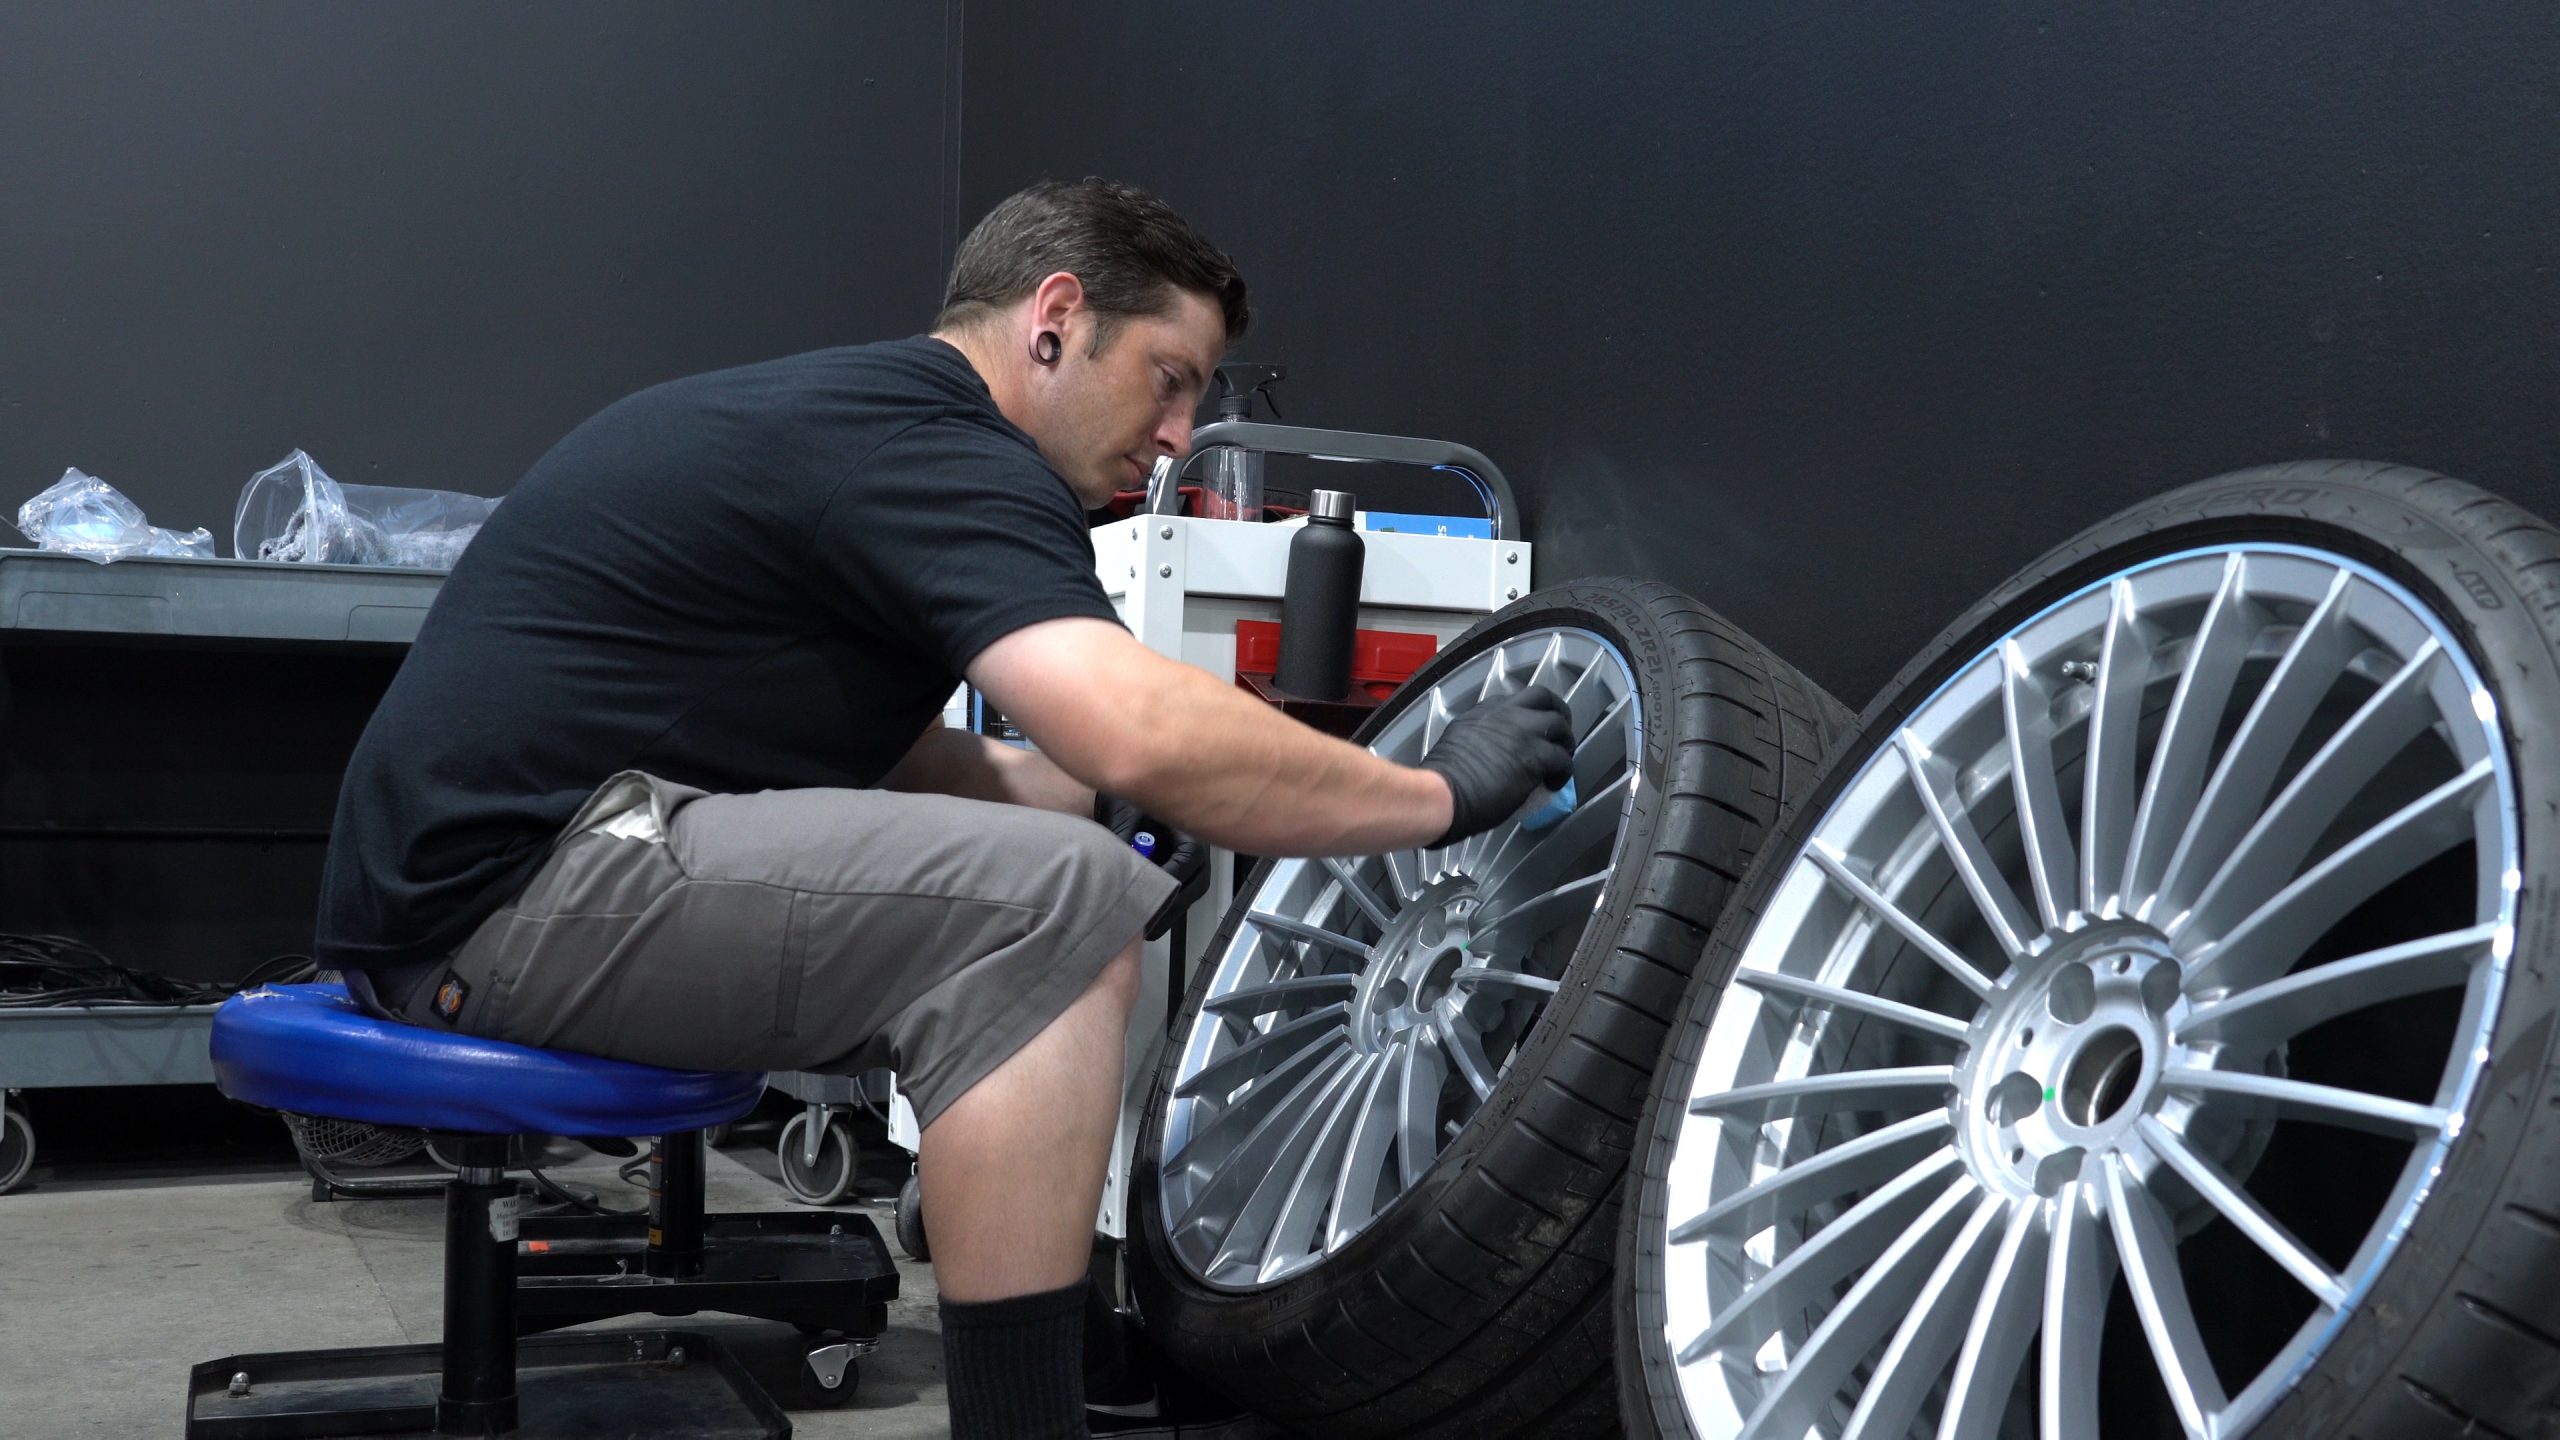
(17, 1148)
(825, 1182)
(910, 1221)
(828, 1375)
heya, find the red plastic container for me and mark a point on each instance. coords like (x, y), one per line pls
(1380, 659)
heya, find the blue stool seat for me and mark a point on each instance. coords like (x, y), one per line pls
(311, 1050)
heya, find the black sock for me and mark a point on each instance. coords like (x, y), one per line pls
(1014, 1368)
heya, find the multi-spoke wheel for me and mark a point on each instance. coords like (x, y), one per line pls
(1401, 1092)
(1367, 1007)
(2111, 1046)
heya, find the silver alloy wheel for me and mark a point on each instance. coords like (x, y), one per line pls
(2015, 1022)
(1366, 1008)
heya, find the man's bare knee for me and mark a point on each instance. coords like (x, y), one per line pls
(1108, 1000)
(1119, 980)
(1091, 1025)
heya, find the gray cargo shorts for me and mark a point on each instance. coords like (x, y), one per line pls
(830, 931)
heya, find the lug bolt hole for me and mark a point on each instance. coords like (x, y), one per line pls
(2074, 994)
(1436, 979)
(2057, 1170)
(2017, 1096)
(2160, 988)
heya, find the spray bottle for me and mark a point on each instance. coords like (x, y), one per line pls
(1232, 488)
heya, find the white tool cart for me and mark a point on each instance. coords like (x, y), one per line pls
(1181, 584)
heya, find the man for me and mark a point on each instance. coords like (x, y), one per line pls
(663, 779)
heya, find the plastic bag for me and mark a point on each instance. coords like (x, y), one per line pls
(83, 515)
(293, 511)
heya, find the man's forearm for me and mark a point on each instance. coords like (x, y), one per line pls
(1240, 774)
(1198, 753)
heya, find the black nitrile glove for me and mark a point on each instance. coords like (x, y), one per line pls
(1176, 854)
(1497, 755)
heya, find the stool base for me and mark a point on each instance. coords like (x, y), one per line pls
(817, 1269)
(623, 1382)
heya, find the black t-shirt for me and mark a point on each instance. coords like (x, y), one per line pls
(763, 578)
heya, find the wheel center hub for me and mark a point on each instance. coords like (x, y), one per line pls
(2065, 1059)
(1411, 977)
(2101, 1076)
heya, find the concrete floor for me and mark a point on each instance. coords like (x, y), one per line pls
(117, 1276)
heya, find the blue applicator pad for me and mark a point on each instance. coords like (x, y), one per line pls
(1549, 815)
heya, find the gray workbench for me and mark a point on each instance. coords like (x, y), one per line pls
(290, 618)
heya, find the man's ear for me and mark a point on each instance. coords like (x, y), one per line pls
(1055, 301)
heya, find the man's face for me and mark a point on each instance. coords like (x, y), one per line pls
(1104, 419)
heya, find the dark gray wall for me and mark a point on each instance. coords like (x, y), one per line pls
(1836, 311)
(423, 240)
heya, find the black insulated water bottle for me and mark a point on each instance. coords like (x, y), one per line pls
(1320, 603)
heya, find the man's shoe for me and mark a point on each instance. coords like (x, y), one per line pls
(1116, 1423)
(1129, 1393)
(1145, 1406)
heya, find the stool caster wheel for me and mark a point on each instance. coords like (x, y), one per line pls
(829, 1178)
(910, 1221)
(17, 1147)
(828, 1375)
(716, 1136)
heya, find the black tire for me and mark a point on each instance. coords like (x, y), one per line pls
(909, 1222)
(17, 1147)
(2456, 1337)
(831, 1178)
(1476, 1304)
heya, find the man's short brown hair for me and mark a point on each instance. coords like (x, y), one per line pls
(1129, 249)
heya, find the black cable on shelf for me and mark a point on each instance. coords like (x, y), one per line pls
(43, 971)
